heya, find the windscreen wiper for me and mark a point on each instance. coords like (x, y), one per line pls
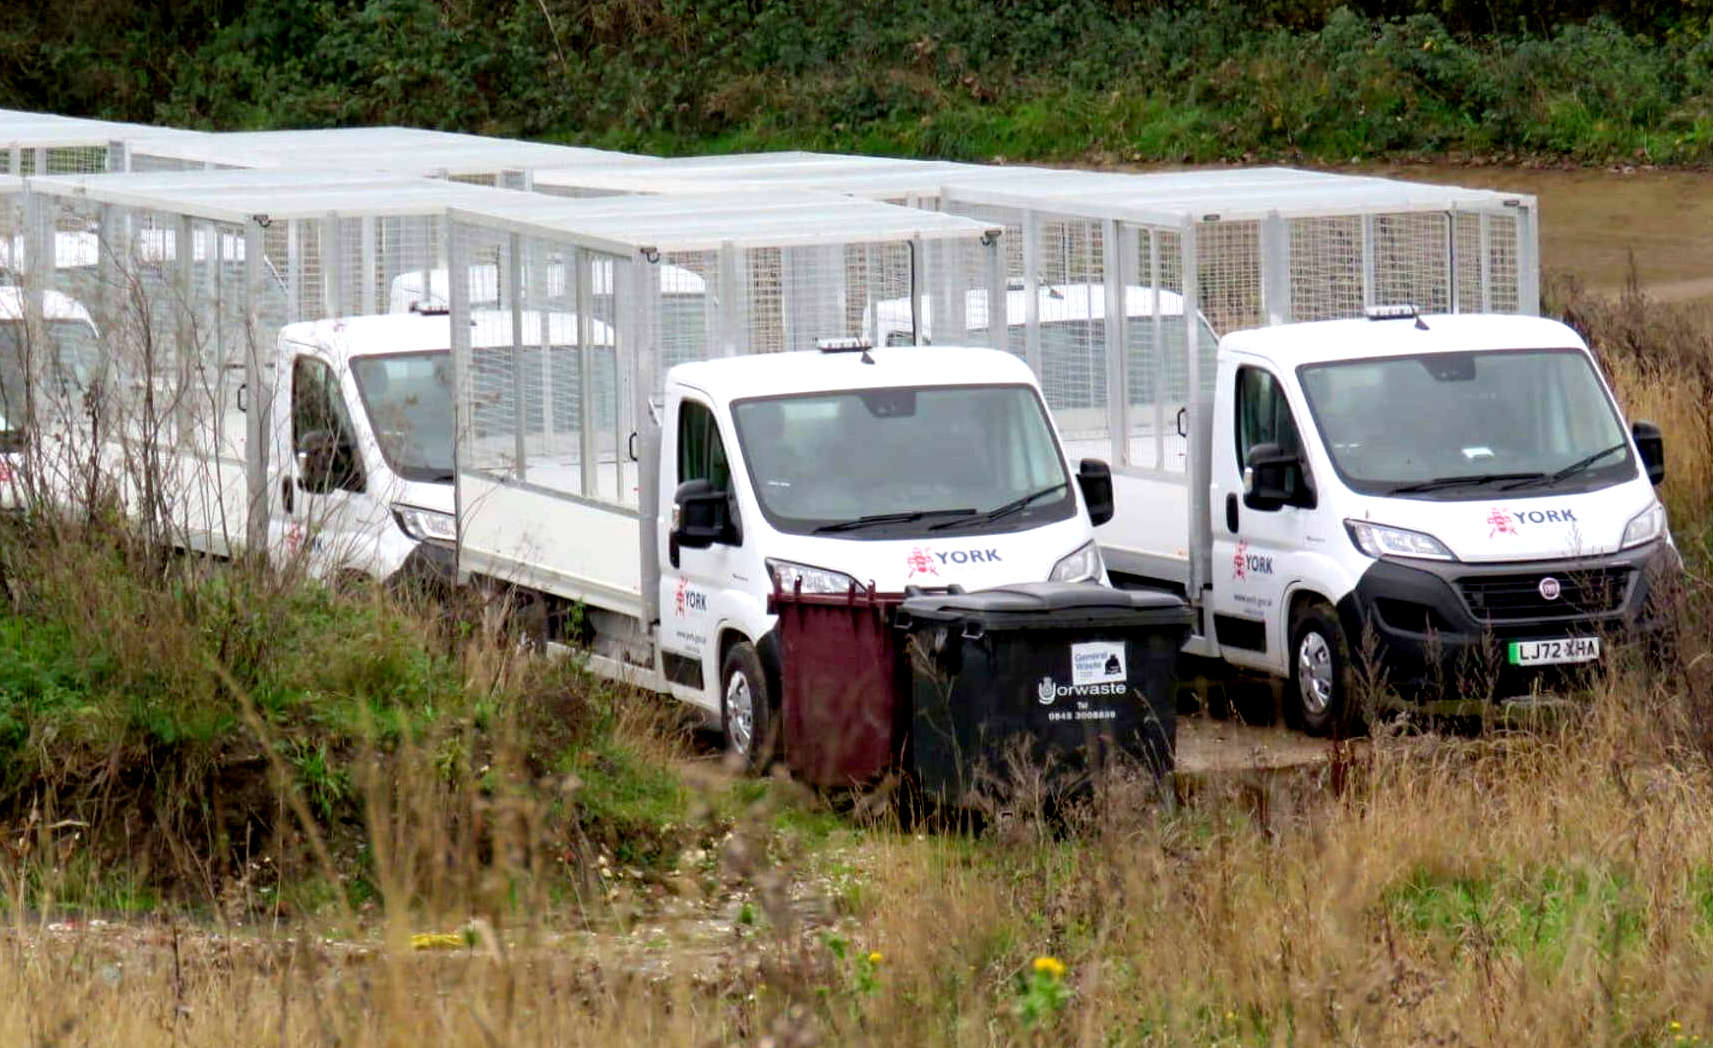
(1467, 480)
(887, 518)
(1571, 470)
(1002, 511)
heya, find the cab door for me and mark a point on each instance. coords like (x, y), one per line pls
(691, 578)
(1254, 543)
(324, 486)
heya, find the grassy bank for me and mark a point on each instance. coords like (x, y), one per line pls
(1095, 80)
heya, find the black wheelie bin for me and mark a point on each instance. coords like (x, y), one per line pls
(1059, 677)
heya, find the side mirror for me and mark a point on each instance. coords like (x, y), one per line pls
(1094, 477)
(1651, 444)
(316, 451)
(699, 515)
(1273, 477)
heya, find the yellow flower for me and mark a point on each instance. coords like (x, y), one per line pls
(1050, 966)
(1676, 1026)
(436, 941)
(874, 957)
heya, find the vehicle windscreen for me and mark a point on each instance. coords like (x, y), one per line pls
(408, 397)
(889, 463)
(68, 368)
(1461, 425)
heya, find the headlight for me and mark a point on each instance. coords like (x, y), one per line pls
(426, 525)
(1644, 527)
(1378, 540)
(787, 576)
(1082, 566)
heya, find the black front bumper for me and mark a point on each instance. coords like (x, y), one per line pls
(1430, 628)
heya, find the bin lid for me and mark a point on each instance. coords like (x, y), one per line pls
(1049, 605)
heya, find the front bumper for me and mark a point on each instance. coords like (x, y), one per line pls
(1433, 629)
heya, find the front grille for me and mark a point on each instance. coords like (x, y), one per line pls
(1582, 591)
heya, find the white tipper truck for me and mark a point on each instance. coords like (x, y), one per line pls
(814, 471)
(1452, 501)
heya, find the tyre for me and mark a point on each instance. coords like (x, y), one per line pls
(747, 708)
(1321, 700)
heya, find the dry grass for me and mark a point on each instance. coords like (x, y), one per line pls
(1548, 888)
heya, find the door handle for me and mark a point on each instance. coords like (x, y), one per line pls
(1231, 512)
(285, 493)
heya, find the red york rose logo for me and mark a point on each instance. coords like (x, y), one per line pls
(920, 563)
(1237, 561)
(1511, 521)
(686, 599)
(1500, 523)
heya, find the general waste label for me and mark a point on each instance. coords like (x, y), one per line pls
(1097, 662)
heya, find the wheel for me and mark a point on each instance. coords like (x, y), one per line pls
(747, 708)
(1321, 700)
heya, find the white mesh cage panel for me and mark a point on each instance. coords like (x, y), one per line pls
(549, 388)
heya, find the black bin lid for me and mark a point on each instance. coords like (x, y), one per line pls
(1049, 605)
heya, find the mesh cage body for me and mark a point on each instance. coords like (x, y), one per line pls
(1106, 311)
(163, 346)
(138, 333)
(560, 335)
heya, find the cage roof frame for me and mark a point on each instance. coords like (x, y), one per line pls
(706, 222)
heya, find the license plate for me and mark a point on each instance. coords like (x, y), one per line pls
(1553, 652)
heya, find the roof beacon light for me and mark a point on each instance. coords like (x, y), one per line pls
(853, 344)
(1396, 311)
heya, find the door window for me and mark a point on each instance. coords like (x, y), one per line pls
(701, 455)
(1263, 414)
(1264, 417)
(321, 431)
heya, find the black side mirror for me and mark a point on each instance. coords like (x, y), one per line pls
(315, 451)
(324, 464)
(1274, 477)
(699, 515)
(1651, 444)
(1094, 477)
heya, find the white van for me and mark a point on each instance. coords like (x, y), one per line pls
(1454, 501)
(63, 371)
(821, 470)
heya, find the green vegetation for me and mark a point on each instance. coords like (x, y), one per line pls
(1105, 80)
